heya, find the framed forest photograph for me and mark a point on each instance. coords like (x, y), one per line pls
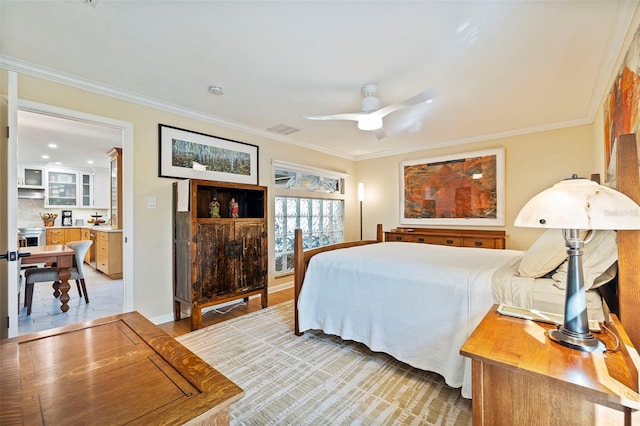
(191, 155)
(461, 189)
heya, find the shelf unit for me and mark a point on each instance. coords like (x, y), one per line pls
(218, 259)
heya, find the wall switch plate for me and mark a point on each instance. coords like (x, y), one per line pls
(151, 202)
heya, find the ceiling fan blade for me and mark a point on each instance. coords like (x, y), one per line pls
(380, 133)
(418, 99)
(409, 120)
(354, 116)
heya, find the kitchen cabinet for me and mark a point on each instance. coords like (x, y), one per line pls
(109, 253)
(68, 187)
(101, 188)
(85, 235)
(115, 187)
(221, 258)
(30, 177)
(67, 235)
(63, 235)
(62, 189)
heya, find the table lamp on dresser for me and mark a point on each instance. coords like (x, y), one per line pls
(574, 205)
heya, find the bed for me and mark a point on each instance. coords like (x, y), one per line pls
(424, 323)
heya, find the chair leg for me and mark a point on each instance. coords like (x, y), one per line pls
(28, 297)
(84, 290)
(79, 289)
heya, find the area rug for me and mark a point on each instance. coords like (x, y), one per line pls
(318, 379)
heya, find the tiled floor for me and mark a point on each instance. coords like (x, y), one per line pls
(105, 298)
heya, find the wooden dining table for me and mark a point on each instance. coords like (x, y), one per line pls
(59, 254)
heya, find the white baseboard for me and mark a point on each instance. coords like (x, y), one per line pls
(161, 319)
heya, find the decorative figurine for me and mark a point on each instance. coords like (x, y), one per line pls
(214, 208)
(233, 208)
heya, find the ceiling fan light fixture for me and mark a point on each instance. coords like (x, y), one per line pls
(370, 123)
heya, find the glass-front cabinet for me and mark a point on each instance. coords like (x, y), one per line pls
(69, 187)
(62, 189)
(30, 177)
(115, 199)
(86, 190)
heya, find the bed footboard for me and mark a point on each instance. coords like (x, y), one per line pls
(301, 260)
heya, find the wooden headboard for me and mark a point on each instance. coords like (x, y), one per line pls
(628, 182)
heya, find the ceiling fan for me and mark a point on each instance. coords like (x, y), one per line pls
(371, 115)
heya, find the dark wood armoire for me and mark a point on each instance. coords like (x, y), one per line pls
(220, 248)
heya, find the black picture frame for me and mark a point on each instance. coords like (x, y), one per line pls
(184, 154)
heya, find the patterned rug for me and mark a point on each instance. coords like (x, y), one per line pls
(318, 379)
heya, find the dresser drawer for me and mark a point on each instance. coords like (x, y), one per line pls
(443, 240)
(479, 242)
(400, 237)
(449, 237)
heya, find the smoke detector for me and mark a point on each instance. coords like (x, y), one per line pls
(216, 90)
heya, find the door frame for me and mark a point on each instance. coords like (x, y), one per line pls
(8, 210)
(127, 176)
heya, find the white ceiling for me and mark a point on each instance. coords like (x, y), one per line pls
(497, 68)
(64, 141)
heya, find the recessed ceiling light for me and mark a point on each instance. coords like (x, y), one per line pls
(90, 161)
(46, 157)
(216, 90)
(58, 163)
(52, 145)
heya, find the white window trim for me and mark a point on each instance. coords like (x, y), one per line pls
(302, 169)
(308, 169)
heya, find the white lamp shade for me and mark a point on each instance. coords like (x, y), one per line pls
(578, 203)
(361, 191)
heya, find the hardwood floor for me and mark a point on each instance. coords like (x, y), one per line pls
(178, 328)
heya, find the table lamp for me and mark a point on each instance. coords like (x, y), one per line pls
(572, 205)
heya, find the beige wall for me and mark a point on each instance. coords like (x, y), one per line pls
(152, 227)
(533, 162)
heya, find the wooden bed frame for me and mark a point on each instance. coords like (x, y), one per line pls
(628, 290)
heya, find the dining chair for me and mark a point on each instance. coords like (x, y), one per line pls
(38, 275)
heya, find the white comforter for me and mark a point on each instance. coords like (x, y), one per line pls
(416, 302)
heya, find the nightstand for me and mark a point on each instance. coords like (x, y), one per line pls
(520, 377)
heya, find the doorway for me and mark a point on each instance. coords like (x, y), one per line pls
(107, 296)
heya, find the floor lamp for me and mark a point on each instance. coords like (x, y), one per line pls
(361, 199)
(572, 205)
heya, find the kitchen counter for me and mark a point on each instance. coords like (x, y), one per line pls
(103, 228)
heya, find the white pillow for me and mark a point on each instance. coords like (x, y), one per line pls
(598, 261)
(544, 255)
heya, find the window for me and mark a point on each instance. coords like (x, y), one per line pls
(320, 216)
(321, 222)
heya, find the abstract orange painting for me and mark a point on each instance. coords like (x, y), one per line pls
(621, 107)
(464, 189)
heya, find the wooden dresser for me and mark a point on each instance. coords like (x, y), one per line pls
(520, 377)
(449, 237)
(116, 370)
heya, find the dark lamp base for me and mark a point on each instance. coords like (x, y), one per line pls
(581, 341)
